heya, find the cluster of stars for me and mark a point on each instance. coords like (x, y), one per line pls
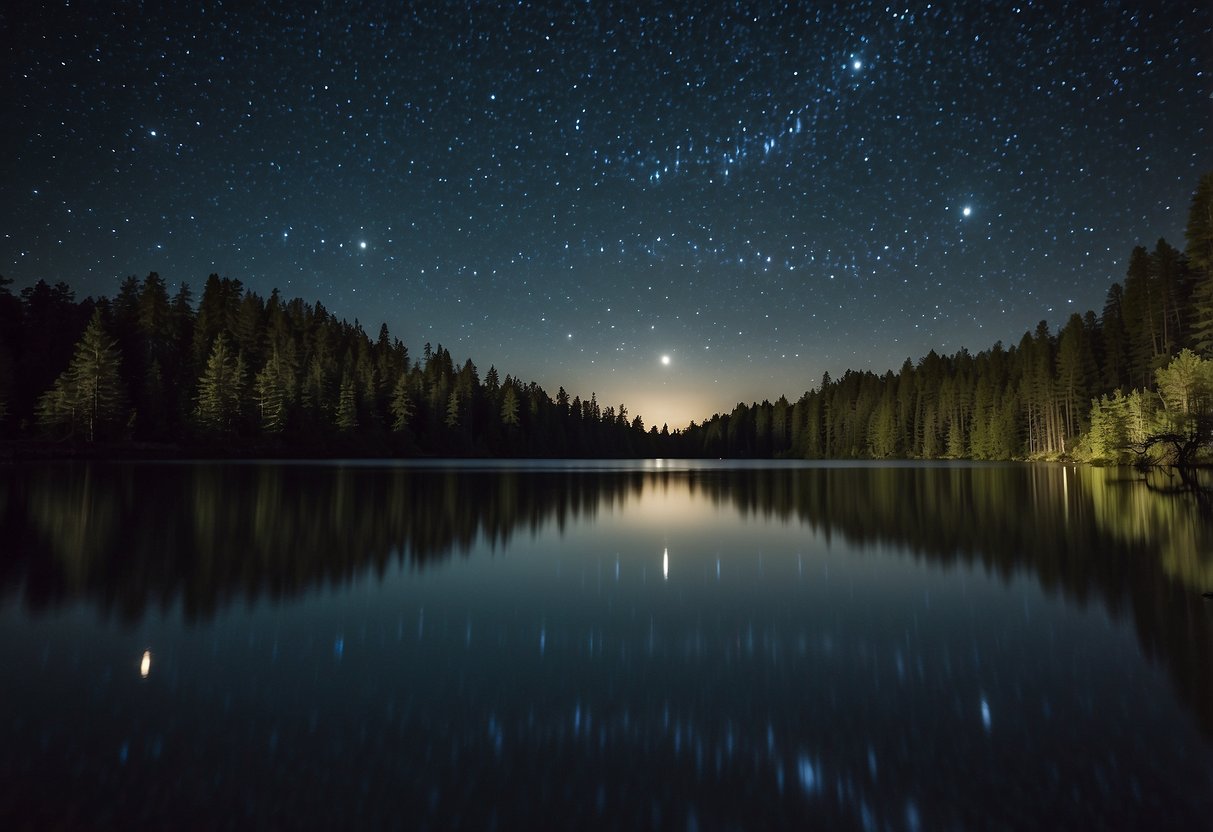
(845, 187)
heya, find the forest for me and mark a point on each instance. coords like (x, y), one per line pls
(1133, 383)
(240, 374)
(245, 374)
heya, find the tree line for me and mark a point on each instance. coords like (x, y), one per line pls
(237, 370)
(1103, 387)
(243, 372)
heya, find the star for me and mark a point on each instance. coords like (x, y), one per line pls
(719, 200)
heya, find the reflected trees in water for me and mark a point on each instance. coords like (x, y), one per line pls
(129, 538)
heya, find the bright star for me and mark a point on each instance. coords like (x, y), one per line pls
(967, 210)
(665, 359)
(858, 64)
(362, 244)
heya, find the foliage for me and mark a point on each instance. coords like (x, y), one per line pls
(402, 404)
(1052, 395)
(292, 373)
(221, 389)
(88, 396)
(256, 372)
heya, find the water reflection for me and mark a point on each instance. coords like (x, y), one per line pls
(567, 667)
(213, 532)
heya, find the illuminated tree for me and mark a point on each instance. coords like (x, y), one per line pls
(275, 391)
(347, 410)
(1199, 238)
(1185, 384)
(882, 441)
(509, 407)
(402, 404)
(88, 395)
(221, 389)
(453, 406)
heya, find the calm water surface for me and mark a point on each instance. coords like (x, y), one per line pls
(620, 645)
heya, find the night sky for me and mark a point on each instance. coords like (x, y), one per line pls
(757, 192)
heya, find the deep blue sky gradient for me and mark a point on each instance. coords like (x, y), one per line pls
(762, 192)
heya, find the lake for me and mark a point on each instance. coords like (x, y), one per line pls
(654, 644)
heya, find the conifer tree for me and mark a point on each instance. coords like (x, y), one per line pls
(1198, 235)
(88, 395)
(220, 390)
(275, 392)
(402, 404)
(347, 408)
(509, 407)
(956, 442)
(881, 435)
(1202, 317)
(315, 393)
(1199, 238)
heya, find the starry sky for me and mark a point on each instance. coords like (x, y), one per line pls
(676, 206)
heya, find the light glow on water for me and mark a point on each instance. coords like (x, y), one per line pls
(476, 614)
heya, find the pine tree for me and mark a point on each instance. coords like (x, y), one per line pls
(1199, 238)
(275, 392)
(956, 440)
(780, 414)
(1198, 235)
(1075, 371)
(347, 404)
(1202, 317)
(1109, 434)
(1168, 273)
(1115, 340)
(155, 322)
(89, 394)
(453, 406)
(882, 433)
(220, 390)
(1142, 318)
(509, 407)
(402, 404)
(315, 394)
(217, 311)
